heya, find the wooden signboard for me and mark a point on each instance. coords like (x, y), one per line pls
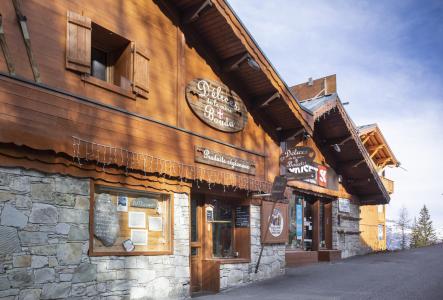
(139, 220)
(278, 226)
(213, 158)
(216, 105)
(278, 188)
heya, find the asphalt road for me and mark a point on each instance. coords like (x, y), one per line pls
(410, 274)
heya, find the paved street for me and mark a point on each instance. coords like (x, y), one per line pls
(412, 274)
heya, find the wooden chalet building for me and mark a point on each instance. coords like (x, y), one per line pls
(133, 134)
(324, 210)
(373, 217)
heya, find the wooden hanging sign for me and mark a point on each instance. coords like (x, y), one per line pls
(298, 162)
(216, 105)
(213, 158)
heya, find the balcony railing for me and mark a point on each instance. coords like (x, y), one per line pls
(389, 184)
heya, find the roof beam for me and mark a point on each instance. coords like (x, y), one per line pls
(375, 150)
(366, 139)
(193, 14)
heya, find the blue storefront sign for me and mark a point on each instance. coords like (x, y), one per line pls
(299, 220)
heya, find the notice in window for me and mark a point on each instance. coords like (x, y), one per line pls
(155, 224)
(139, 237)
(136, 219)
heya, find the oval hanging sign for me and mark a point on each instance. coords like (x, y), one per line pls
(297, 157)
(216, 105)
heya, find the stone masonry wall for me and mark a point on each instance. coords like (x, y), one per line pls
(272, 262)
(44, 243)
(349, 244)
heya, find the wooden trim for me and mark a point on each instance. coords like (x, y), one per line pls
(24, 81)
(108, 86)
(5, 49)
(229, 260)
(22, 22)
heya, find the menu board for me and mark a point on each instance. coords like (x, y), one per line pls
(242, 216)
(129, 222)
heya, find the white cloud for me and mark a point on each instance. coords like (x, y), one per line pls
(368, 45)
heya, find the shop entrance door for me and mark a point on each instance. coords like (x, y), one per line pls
(196, 242)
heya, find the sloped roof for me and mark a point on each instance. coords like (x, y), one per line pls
(334, 126)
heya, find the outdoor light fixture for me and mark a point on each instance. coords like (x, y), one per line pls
(336, 148)
(253, 64)
(340, 178)
(235, 62)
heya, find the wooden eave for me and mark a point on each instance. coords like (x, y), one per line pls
(221, 37)
(353, 161)
(377, 147)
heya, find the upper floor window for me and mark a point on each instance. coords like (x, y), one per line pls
(105, 57)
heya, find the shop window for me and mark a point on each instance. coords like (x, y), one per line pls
(130, 222)
(105, 58)
(222, 231)
(229, 223)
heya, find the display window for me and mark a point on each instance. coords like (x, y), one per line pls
(129, 222)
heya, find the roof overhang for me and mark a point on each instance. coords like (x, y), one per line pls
(213, 29)
(377, 146)
(338, 139)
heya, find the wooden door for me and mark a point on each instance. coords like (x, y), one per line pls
(196, 243)
(328, 225)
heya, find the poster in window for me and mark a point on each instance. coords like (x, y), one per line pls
(299, 220)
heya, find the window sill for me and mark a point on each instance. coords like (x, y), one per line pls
(108, 86)
(230, 260)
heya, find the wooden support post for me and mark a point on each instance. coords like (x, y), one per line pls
(5, 49)
(24, 28)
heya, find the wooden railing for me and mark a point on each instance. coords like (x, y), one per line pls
(389, 184)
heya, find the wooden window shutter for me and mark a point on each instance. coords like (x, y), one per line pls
(124, 69)
(78, 43)
(141, 73)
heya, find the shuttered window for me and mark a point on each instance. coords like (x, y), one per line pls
(78, 43)
(109, 59)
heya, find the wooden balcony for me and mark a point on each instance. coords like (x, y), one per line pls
(389, 184)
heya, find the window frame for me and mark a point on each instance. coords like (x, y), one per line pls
(93, 252)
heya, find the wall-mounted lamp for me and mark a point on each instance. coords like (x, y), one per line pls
(340, 178)
(336, 148)
(234, 62)
(253, 64)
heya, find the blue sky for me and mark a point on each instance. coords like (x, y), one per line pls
(388, 57)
